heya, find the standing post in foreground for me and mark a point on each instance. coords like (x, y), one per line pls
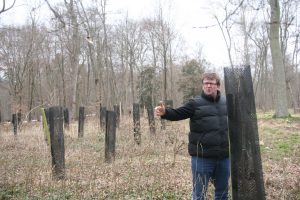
(66, 119)
(81, 122)
(117, 111)
(151, 120)
(246, 166)
(46, 125)
(102, 117)
(136, 123)
(110, 136)
(15, 123)
(56, 118)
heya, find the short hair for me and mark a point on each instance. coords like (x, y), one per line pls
(211, 76)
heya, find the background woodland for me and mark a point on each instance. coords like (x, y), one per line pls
(80, 56)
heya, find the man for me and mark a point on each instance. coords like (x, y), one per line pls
(208, 137)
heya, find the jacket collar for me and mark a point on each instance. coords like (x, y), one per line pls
(211, 98)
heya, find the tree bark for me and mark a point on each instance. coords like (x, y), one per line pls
(281, 107)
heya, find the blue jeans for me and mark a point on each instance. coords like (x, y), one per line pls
(216, 170)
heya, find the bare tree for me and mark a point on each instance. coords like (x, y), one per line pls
(227, 24)
(71, 29)
(288, 35)
(164, 37)
(281, 107)
(133, 41)
(4, 8)
(261, 77)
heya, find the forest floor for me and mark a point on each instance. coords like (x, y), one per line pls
(159, 168)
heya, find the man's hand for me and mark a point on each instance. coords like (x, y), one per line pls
(160, 110)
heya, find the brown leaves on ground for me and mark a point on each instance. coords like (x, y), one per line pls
(159, 168)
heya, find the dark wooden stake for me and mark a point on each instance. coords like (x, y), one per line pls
(117, 111)
(19, 116)
(66, 119)
(57, 141)
(110, 136)
(102, 117)
(81, 122)
(15, 123)
(151, 119)
(136, 123)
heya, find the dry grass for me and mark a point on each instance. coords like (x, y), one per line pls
(157, 169)
(280, 139)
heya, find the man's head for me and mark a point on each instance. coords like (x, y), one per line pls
(210, 84)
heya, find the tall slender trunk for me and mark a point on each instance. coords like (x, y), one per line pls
(74, 58)
(281, 107)
(165, 74)
(131, 77)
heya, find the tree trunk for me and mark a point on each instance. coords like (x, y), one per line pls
(131, 78)
(281, 108)
(74, 58)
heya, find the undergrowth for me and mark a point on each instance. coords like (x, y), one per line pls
(159, 168)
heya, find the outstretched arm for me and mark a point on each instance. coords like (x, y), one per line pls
(183, 112)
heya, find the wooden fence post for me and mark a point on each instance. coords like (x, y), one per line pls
(102, 117)
(19, 117)
(110, 136)
(117, 111)
(66, 119)
(136, 123)
(45, 121)
(15, 123)
(47, 115)
(151, 119)
(57, 141)
(81, 122)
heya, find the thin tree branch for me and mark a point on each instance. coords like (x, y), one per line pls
(58, 16)
(6, 9)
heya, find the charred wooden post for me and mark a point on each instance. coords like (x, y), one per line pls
(151, 119)
(102, 117)
(15, 123)
(19, 117)
(136, 123)
(57, 141)
(81, 122)
(117, 111)
(66, 119)
(110, 136)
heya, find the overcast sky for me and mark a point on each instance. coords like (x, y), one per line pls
(185, 15)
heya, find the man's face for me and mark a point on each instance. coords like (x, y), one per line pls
(210, 87)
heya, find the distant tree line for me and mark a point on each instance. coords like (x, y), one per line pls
(81, 57)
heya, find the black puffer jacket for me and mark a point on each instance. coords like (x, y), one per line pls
(208, 135)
